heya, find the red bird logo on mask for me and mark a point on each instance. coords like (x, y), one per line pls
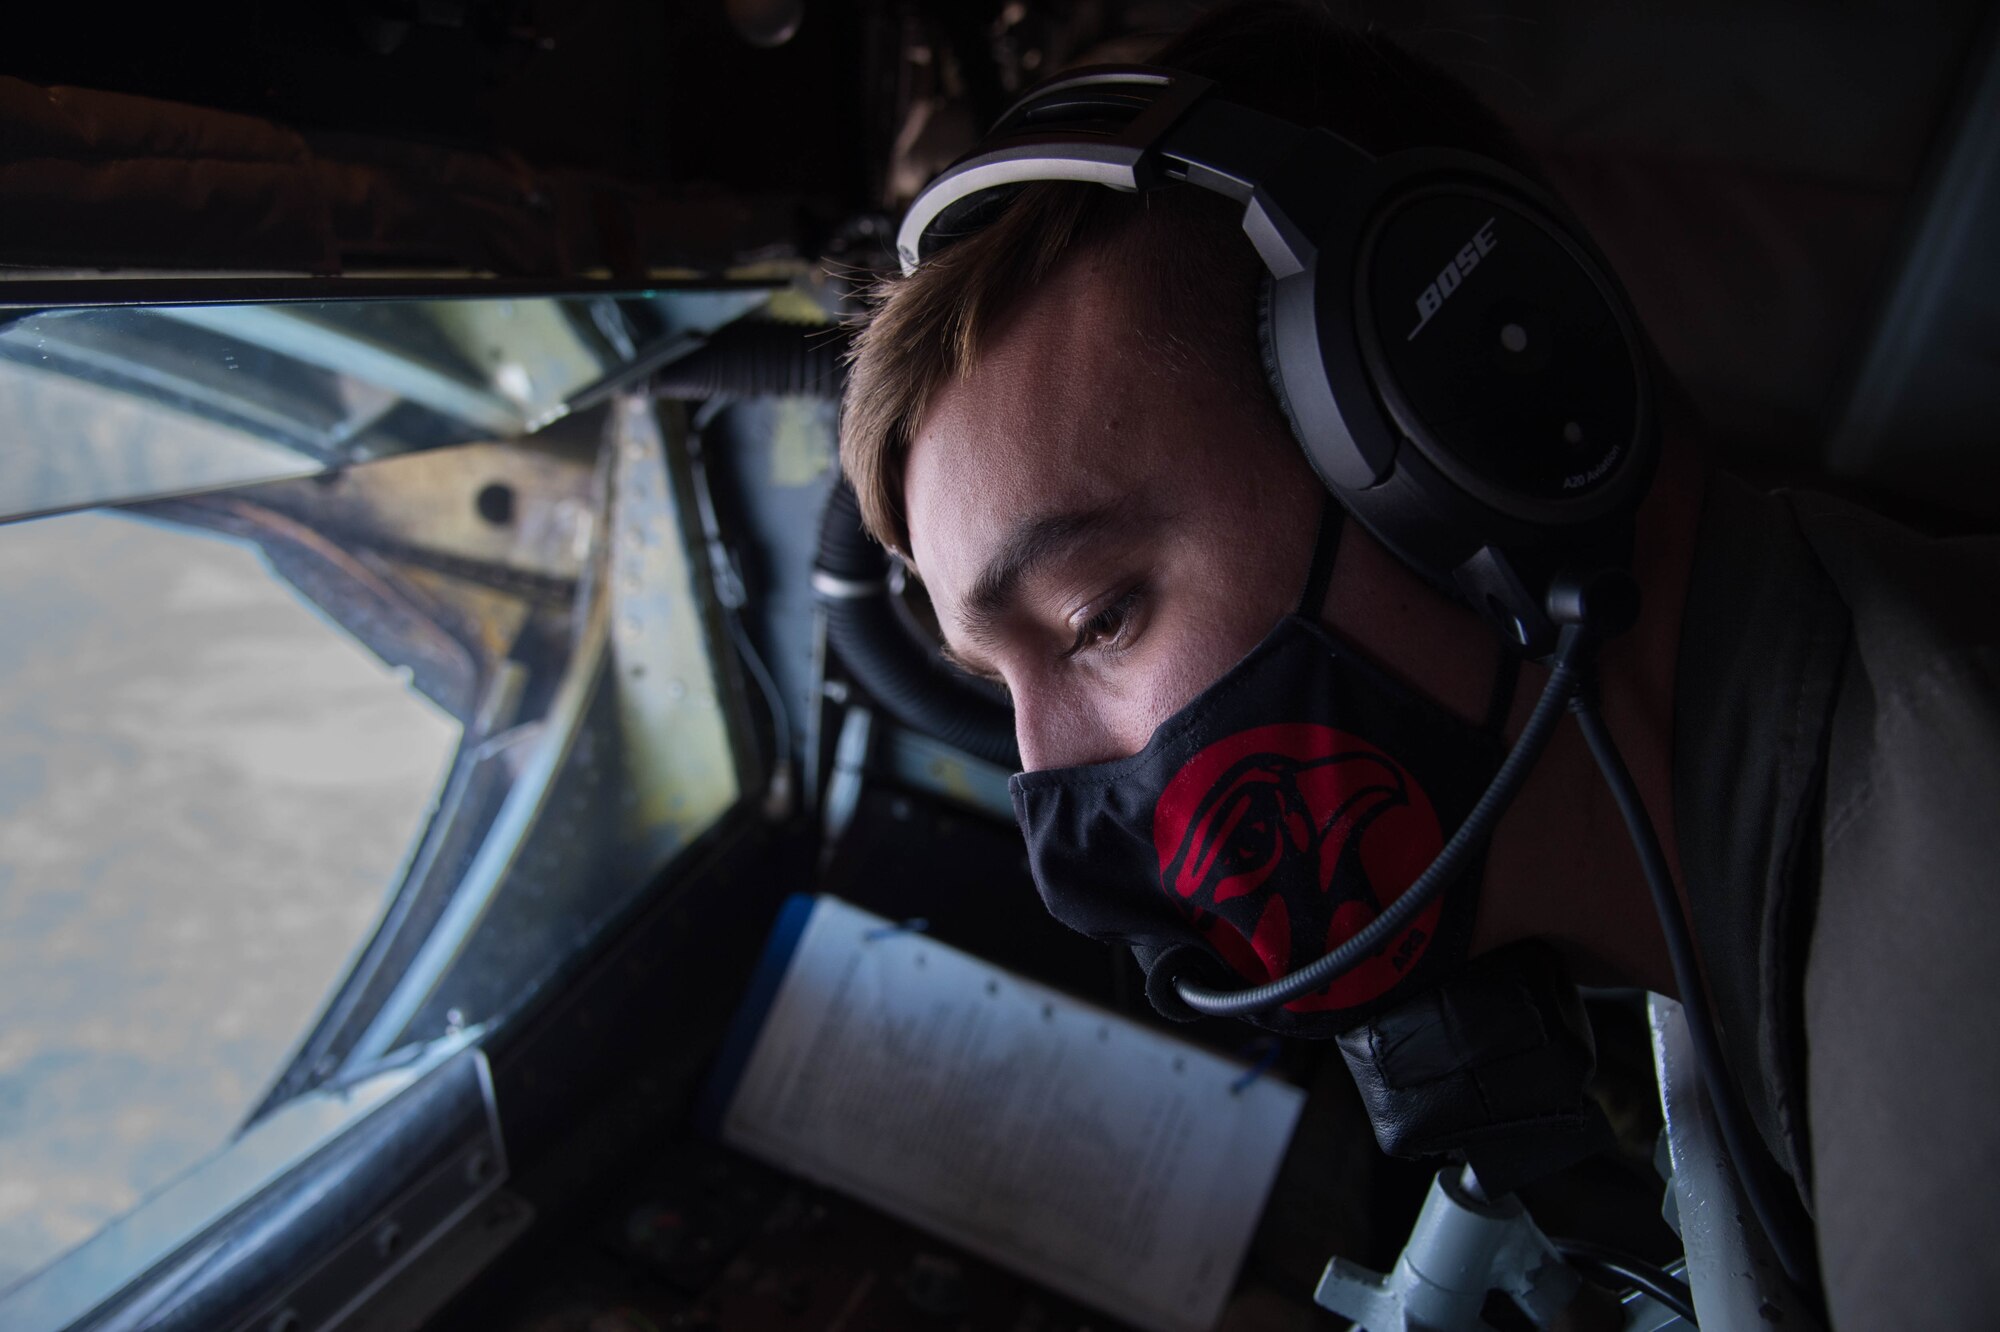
(1282, 842)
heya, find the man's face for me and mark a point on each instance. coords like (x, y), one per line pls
(1102, 535)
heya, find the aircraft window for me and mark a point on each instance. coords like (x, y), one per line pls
(159, 400)
(206, 792)
(314, 777)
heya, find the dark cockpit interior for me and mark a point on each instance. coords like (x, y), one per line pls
(496, 347)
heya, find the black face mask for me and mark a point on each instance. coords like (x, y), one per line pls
(1265, 823)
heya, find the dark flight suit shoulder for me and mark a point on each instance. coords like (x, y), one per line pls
(1837, 789)
(1902, 984)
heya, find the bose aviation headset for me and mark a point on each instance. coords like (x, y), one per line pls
(1457, 362)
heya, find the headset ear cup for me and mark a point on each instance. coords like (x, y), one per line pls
(1267, 352)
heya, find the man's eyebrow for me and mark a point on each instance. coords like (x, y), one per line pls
(1032, 543)
(971, 665)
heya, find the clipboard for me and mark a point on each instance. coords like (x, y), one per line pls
(1107, 1160)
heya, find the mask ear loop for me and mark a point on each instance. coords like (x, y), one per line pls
(1326, 544)
(1312, 603)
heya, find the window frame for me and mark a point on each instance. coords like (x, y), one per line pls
(291, 1146)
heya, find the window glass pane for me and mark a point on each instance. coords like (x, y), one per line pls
(297, 775)
(207, 789)
(161, 400)
(117, 445)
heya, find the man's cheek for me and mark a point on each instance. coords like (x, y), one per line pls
(1177, 665)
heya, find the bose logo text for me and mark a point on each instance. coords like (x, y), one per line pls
(1439, 291)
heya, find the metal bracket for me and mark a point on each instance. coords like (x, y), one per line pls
(1462, 1248)
(460, 1178)
(1733, 1276)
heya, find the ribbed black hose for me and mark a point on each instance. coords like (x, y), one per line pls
(851, 576)
(759, 357)
(906, 677)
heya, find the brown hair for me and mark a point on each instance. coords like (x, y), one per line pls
(1196, 310)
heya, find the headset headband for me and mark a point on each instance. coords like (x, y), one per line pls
(1130, 128)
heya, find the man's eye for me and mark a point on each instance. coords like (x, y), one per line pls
(1108, 628)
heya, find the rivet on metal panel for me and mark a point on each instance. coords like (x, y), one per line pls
(676, 752)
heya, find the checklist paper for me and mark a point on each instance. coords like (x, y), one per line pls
(1109, 1161)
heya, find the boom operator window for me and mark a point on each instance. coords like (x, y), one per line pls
(321, 632)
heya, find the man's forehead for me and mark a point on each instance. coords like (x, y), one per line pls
(1065, 348)
(1051, 418)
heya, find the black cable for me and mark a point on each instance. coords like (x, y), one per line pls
(774, 699)
(1564, 680)
(1781, 1224)
(1569, 686)
(778, 793)
(1611, 1267)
